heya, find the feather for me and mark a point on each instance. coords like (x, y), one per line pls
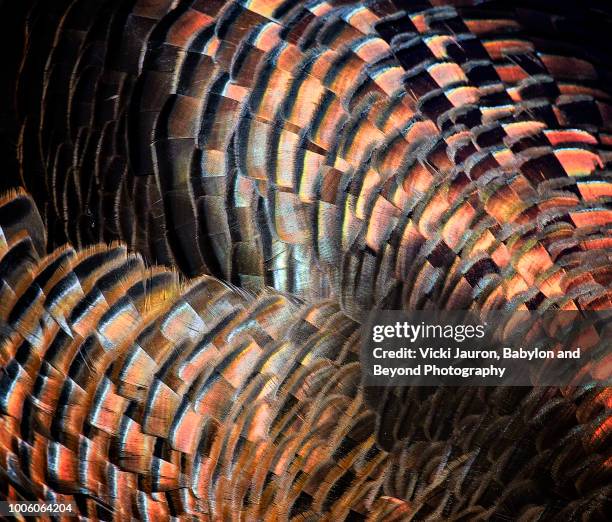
(323, 159)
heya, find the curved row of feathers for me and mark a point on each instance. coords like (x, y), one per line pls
(137, 396)
(347, 155)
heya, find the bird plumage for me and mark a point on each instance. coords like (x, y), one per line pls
(304, 162)
(135, 394)
(384, 152)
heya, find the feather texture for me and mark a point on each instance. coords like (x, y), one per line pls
(384, 152)
(303, 162)
(135, 394)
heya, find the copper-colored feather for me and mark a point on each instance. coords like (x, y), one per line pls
(324, 149)
(134, 394)
(402, 154)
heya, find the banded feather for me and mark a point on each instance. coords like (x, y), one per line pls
(135, 394)
(378, 153)
(394, 154)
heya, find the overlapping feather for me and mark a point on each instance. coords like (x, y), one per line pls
(133, 394)
(386, 153)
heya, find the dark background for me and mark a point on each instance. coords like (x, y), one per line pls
(12, 16)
